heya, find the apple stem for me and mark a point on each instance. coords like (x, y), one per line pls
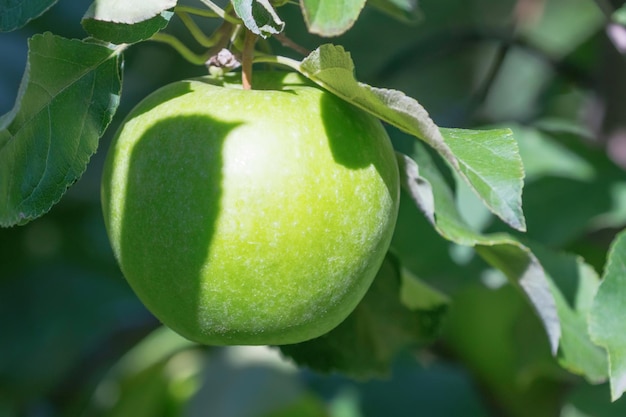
(247, 57)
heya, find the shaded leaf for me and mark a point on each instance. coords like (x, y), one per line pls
(67, 97)
(544, 277)
(15, 14)
(607, 321)
(146, 378)
(405, 10)
(259, 17)
(128, 12)
(574, 284)
(501, 251)
(382, 325)
(330, 17)
(119, 33)
(488, 160)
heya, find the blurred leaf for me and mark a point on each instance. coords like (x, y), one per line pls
(247, 381)
(497, 336)
(592, 400)
(563, 25)
(305, 406)
(405, 10)
(331, 17)
(15, 14)
(563, 170)
(381, 326)
(160, 373)
(619, 15)
(119, 33)
(608, 317)
(487, 160)
(67, 98)
(50, 319)
(128, 11)
(259, 17)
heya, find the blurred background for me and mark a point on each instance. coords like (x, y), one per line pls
(75, 341)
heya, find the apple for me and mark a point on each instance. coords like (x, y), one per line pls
(250, 216)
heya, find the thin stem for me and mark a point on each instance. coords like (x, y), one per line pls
(195, 31)
(285, 41)
(195, 11)
(247, 55)
(279, 60)
(220, 12)
(185, 52)
(222, 37)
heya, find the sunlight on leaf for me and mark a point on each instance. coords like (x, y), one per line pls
(259, 17)
(488, 161)
(129, 12)
(119, 33)
(67, 98)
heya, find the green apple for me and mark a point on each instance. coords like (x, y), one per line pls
(250, 216)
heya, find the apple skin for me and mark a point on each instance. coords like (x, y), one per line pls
(250, 216)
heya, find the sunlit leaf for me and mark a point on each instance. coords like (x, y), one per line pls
(128, 11)
(607, 322)
(259, 17)
(67, 97)
(15, 14)
(487, 160)
(119, 33)
(331, 17)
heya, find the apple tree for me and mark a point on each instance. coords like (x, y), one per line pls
(346, 207)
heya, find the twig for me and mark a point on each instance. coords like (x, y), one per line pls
(288, 43)
(247, 55)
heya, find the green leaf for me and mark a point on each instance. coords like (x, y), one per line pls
(259, 17)
(68, 95)
(608, 316)
(119, 33)
(619, 15)
(15, 14)
(397, 312)
(405, 10)
(558, 286)
(501, 251)
(330, 17)
(574, 285)
(128, 11)
(488, 161)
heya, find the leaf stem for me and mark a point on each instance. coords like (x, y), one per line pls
(185, 52)
(220, 12)
(195, 31)
(280, 60)
(195, 11)
(247, 55)
(285, 41)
